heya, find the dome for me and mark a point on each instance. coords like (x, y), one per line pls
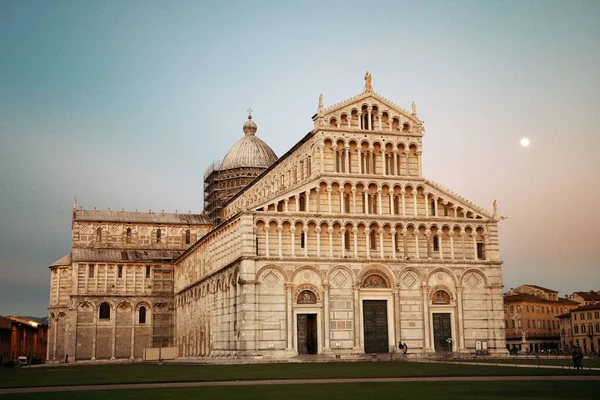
(249, 151)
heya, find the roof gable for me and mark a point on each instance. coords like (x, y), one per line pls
(368, 98)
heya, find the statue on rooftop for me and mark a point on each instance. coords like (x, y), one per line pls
(368, 86)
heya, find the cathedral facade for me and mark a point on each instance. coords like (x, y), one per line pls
(339, 247)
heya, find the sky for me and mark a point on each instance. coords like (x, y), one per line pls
(124, 104)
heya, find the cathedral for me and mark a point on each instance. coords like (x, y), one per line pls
(339, 247)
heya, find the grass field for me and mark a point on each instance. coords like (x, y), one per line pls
(592, 362)
(547, 390)
(137, 373)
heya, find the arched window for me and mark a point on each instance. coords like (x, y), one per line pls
(436, 243)
(104, 311)
(346, 202)
(158, 235)
(480, 251)
(188, 237)
(433, 208)
(99, 234)
(128, 236)
(347, 239)
(373, 239)
(142, 317)
(302, 240)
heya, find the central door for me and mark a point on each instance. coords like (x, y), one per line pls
(376, 326)
(307, 334)
(441, 332)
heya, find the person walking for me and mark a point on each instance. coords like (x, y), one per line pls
(404, 349)
(579, 359)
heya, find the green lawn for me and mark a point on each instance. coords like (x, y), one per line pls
(592, 362)
(547, 390)
(132, 373)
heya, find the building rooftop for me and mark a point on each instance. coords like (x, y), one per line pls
(542, 288)
(140, 217)
(109, 255)
(512, 298)
(588, 307)
(64, 260)
(588, 296)
(249, 151)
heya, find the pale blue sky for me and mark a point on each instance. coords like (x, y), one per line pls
(125, 103)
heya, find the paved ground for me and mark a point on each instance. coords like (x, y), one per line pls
(292, 382)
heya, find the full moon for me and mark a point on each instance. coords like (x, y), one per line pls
(524, 142)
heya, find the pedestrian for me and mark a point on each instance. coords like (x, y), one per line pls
(66, 358)
(579, 359)
(404, 349)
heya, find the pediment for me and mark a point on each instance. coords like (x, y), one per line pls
(364, 101)
(456, 199)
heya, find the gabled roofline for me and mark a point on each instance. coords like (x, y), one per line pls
(379, 97)
(270, 168)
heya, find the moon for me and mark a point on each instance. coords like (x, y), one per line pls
(524, 142)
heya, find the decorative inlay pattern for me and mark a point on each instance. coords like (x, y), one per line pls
(409, 279)
(472, 280)
(440, 277)
(307, 275)
(271, 278)
(340, 279)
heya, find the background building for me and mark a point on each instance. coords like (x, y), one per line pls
(22, 337)
(530, 313)
(340, 245)
(581, 328)
(585, 298)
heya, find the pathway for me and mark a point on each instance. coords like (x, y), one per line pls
(124, 386)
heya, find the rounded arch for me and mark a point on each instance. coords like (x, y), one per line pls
(84, 304)
(307, 287)
(100, 302)
(446, 270)
(309, 267)
(276, 268)
(464, 278)
(123, 305)
(342, 267)
(441, 287)
(105, 310)
(377, 268)
(411, 144)
(403, 273)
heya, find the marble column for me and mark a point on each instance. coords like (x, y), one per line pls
(356, 317)
(318, 231)
(293, 239)
(327, 316)
(290, 315)
(355, 237)
(347, 159)
(461, 328)
(279, 237)
(305, 230)
(426, 341)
